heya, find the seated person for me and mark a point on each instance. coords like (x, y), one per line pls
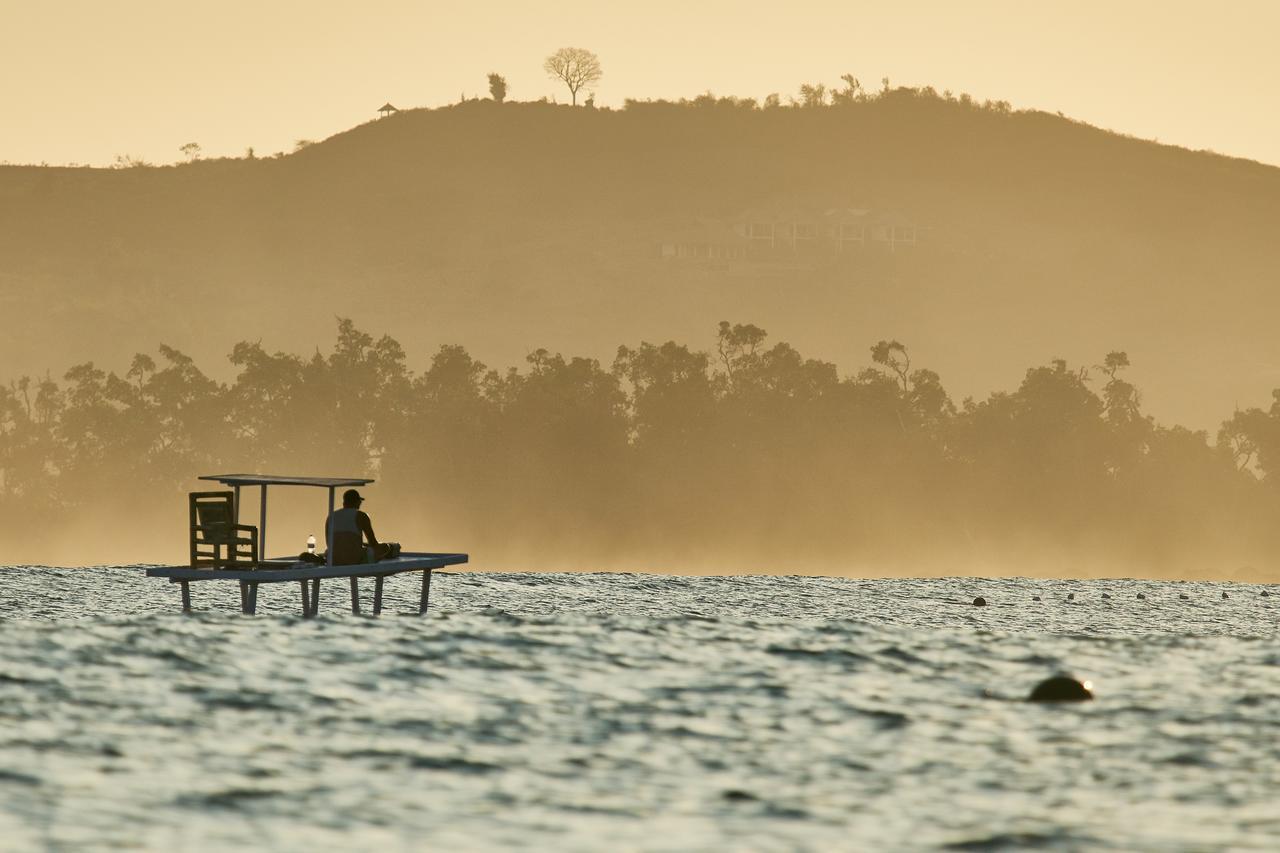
(350, 527)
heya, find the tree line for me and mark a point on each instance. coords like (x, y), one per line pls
(747, 455)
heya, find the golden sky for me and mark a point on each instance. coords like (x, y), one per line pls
(82, 81)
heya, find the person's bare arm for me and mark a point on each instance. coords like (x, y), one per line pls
(366, 527)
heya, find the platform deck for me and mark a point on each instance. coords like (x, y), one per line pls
(276, 571)
(308, 577)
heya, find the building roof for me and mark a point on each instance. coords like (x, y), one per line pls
(285, 480)
(793, 213)
(893, 217)
(387, 108)
(703, 231)
(847, 214)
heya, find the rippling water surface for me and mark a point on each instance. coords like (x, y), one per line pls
(596, 711)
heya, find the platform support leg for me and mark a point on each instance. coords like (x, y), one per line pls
(253, 598)
(315, 597)
(306, 603)
(426, 592)
(186, 597)
(355, 596)
(244, 597)
(377, 595)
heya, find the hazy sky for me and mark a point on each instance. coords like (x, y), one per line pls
(84, 80)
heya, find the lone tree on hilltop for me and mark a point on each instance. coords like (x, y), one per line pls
(576, 67)
(191, 151)
(498, 87)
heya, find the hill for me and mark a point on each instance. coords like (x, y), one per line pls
(517, 226)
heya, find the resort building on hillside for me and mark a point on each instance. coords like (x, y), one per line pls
(704, 239)
(773, 233)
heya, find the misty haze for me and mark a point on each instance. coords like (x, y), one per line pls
(835, 220)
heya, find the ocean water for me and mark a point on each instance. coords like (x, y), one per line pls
(638, 712)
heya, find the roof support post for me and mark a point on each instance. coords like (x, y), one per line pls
(377, 595)
(306, 604)
(186, 597)
(355, 596)
(262, 526)
(328, 532)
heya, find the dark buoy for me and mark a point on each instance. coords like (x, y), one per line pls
(1071, 596)
(979, 602)
(1141, 597)
(1062, 688)
(1106, 595)
(1037, 598)
(1224, 595)
(1183, 596)
(1265, 594)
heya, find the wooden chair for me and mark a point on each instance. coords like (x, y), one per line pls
(216, 540)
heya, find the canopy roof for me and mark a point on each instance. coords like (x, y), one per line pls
(278, 480)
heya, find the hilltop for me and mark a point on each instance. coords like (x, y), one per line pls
(523, 225)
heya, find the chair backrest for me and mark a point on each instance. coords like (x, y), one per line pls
(217, 541)
(215, 512)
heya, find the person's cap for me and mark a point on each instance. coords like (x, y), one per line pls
(351, 496)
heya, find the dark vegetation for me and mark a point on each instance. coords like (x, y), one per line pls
(509, 225)
(746, 457)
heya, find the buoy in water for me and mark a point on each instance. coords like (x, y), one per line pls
(1037, 598)
(1265, 594)
(1183, 596)
(1141, 597)
(1224, 595)
(979, 602)
(1106, 595)
(1071, 596)
(1062, 688)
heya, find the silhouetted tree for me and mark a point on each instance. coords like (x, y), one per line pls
(1252, 437)
(575, 67)
(813, 95)
(893, 356)
(1238, 437)
(850, 93)
(128, 161)
(497, 87)
(191, 151)
(738, 345)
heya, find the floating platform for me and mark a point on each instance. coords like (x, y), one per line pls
(309, 575)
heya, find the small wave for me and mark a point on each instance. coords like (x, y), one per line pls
(15, 778)
(1018, 841)
(840, 656)
(229, 798)
(451, 764)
